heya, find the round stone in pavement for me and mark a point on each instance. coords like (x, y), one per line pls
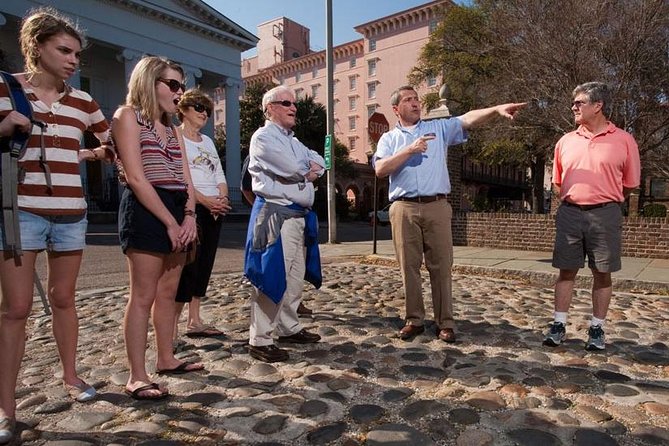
(53, 407)
(366, 413)
(206, 398)
(70, 443)
(313, 408)
(621, 390)
(615, 377)
(327, 434)
(652, 358)
(397, 435)
(270, 425)
(533, 437)
(398, 394)
(587, 437)
(463, 416)
(420, 409)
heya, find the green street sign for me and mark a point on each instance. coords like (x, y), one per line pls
(328, 152)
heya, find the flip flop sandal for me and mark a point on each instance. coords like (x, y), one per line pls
(136, 394)
(181, 369)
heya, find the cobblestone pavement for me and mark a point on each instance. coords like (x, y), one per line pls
(361, 384)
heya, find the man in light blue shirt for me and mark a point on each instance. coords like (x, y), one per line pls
(414, 155)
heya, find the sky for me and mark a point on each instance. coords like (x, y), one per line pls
(311, 13)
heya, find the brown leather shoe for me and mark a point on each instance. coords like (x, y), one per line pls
(446, 334)
(304, 310)
(409, 331)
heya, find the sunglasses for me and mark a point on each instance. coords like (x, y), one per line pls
(285, 103)
(200, 108)
(173, 84)
(578, 104)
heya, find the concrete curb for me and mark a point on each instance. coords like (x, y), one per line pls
(537, 278)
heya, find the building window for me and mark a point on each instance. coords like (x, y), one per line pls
(372, 44)
(371, 67)
(351, 103)
(370, 110)
(298, 93)
(314, 91)
(297, 77)
(314, 72)
(432, 26)
(351, 123)
(352, 83)
(351, 144)
(351, 63)
(431, 81)
(371, 90)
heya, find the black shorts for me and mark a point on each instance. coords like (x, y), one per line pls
(139, 229)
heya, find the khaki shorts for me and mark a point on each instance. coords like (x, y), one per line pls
(596, 233)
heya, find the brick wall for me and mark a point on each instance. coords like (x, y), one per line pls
(642, 237)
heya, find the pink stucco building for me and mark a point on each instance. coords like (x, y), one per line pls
(366, 72)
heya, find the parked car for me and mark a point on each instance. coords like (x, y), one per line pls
(382, 216)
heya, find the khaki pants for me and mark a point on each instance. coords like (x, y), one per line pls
(424, 230)
(266, 316)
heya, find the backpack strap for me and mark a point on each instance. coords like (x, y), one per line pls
(10, 170)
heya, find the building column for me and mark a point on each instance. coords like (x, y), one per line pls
(233, 161)
(129, 58)
(191, 74)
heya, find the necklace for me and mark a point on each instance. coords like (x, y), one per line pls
(190, 134)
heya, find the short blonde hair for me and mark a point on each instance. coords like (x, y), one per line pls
(142, 86)
(191, 97)
(40, 25)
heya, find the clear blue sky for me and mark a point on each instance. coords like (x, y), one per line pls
(311, 13)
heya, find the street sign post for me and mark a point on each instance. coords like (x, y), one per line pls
(328, 152)
(377, 125)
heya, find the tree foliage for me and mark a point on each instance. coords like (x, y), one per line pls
(498, 51)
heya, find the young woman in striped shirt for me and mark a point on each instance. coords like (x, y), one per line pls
(51, 204)
(156, 216)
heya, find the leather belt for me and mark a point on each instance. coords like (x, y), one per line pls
(589, 207)
(423, 198)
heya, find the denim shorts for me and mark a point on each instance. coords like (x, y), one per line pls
(50, 232)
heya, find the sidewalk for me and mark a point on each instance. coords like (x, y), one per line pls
(637, 274)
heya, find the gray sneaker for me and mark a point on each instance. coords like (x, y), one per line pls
(596, 338)
(555, 335)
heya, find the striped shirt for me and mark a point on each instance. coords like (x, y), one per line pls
(162, 162)
(67, 119)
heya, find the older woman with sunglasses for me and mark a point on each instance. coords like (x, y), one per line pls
(211, 195)
(156, 217)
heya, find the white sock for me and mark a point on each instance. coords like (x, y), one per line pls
(561, 317)
(596, 321)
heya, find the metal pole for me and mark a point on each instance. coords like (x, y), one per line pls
(331, 193)
(375, 208)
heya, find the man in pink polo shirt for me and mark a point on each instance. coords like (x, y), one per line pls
(594, 170)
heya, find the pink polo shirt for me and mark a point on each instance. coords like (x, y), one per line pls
(593, 169)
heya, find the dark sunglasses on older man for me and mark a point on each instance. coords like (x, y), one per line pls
(173, 84)
(200, 108)
(284, 103)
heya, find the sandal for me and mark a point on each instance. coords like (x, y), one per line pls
(81, 392)
(137, 393)
(7, 426)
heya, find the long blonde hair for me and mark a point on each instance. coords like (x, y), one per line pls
(142, 86)
(40, 25)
